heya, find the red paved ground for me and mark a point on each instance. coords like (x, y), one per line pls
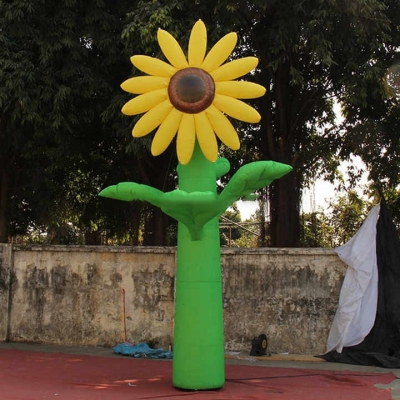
(28, 375)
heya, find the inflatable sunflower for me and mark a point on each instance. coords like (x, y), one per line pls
(192, 96)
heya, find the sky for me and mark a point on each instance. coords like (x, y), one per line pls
(247, 208)
(320, 195)
(322, 192)
(315, 198)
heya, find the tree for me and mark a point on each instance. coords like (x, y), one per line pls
(61, 133)
(316, 230)
(310, 52)
(336, 225)
(230, 230)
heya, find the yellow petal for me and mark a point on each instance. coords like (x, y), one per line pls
(144, 102)
(236, 108)
(144, 84)
(240, 89)
(197, 44)
(152, 119)
(166, 132)
(153, 66)
(186, 139)
(234, 69)
(206, 137)
(171, 49)
(223, 127)
(220, 52)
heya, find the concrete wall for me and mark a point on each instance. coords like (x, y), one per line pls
(291, 295)
(80, 295)
(6, 271)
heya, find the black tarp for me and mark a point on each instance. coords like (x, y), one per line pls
(381, 347)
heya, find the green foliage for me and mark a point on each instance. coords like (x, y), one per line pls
(312, 52)
(63, 139)
(61, 64)
(392, 197)
(237, 233)
(337, 225)
(316, 230)
(230, 230)
(376, 141)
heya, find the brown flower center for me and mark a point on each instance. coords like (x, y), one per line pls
(191, 90)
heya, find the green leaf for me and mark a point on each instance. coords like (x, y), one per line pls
(251, 177)
(129, 191)
(195, 209)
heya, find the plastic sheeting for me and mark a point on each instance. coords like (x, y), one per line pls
(381, 347)
(141, 350)
(356, 312)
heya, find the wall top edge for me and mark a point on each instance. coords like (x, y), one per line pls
(96, 249)
(279, 251)
(170, 250)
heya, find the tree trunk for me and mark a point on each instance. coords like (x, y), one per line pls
(4, 186)
(156, 228)
(135, 216)
(153, 227)
(285, 212)
(156, 224)
(160, 228)
(279, 137)
(4, 202)
(262, 240)
(92, 238)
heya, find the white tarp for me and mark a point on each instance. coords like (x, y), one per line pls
(358, 300)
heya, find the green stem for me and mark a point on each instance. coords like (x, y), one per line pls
(198, 337)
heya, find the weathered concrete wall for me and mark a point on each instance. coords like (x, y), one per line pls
(84, 295)
(5, 288)
(77, 295)
(291, 295)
